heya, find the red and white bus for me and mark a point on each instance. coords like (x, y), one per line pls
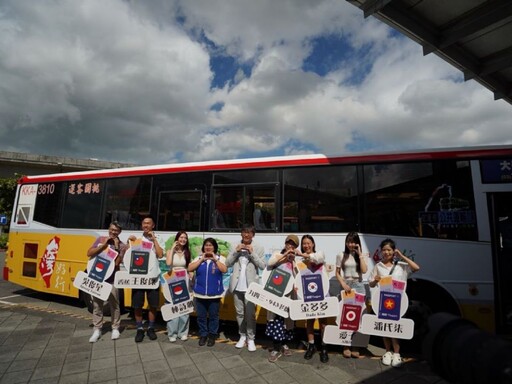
(446, 208)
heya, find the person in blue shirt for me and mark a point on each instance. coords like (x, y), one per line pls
(208, 290)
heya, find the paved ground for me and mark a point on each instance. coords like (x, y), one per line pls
(45, 339)
(39, 345)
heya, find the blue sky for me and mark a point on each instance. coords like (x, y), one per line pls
(174, 81)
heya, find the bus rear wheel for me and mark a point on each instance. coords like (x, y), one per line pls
(426, 299)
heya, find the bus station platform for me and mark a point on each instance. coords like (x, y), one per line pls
(42, 346)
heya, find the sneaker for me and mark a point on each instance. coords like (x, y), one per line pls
(396, 361)
(211, 341)
(173, 339)
(184, 338)
(310, 351)
(139, 336)
(152, 334)
(251, 346)
(241, 342)
(274, 355)
(386, 358)
(202, 341)
(286, 350)
(115, 334)
(95, 336)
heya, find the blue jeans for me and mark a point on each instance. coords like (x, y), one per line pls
(178, 326)
(207, 311)
(356, 286)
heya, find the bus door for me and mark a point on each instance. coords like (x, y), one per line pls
(501, 226)
(180, 209)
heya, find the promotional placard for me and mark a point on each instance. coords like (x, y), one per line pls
(143, 271)
(258, 295)
(99, 269)
(390, 302)
(347, 331)
(311, 287)
(277, 282)
(176, 292)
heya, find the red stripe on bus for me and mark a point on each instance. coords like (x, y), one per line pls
(274, 162)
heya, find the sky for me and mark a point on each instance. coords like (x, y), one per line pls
(163, 81)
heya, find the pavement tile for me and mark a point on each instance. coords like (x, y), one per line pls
(242, 372)
(75, 367)
(36, 343)
(160, 378)
(58, 352)
(185, 372)
(138, 379)
(77, 346)
(16, 377)
(98, 364)
(49, 380)
(232, 361)
(82, 333)
(103, 353)
(26, 353)
(252, 380)
(21, 365)
(219, 377)
(150, 351)
(207, 364)
(130, 370)
(264, 366)
(178, 358)
(127, 350)
(46, 372)
(75, 378)
(278, 376)
(156, 366)
(337, 374)
(7, 357)
(4, 367)
(103, 375)
(194, 380)
(78, 356)
(304, 374)
(51, 361)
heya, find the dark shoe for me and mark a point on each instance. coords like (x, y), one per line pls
(324, 357)
(139, 336)
(310, 351)
(152, 334)
(211, 341)
(202, 341)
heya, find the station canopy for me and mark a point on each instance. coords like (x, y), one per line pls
(475, 36)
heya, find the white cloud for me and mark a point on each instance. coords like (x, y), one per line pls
(131, 81)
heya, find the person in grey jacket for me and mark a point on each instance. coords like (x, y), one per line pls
(247, 259)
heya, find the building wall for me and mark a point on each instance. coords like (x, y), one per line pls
(12, 163)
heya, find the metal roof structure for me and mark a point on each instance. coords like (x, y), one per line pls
(475, 36)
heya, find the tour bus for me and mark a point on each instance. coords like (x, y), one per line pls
(448, 209)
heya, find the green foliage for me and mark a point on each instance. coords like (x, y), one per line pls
(4, 237)
(195, 244)
(7, 194)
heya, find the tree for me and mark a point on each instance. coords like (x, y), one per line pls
(7, 194)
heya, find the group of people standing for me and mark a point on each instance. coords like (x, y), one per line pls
(247, 260)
